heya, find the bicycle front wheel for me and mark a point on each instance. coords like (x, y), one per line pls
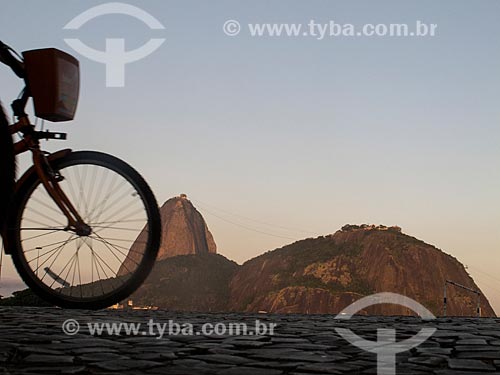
(103, 267)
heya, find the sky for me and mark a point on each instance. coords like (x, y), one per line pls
(275, 139)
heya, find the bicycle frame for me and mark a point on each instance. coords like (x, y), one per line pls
(50, 179)
(31, 142)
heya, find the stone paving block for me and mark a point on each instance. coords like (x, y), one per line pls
(475, 348)
(52, 370)
(97, 349)
(99, 357)
(325, 368)
(249, 371)
(469, 364)
(427, 361)
(160, 357)
(222, 358)
(48, 359)
(488, 355)
(39, 350)
(125, 364)
(475, 341)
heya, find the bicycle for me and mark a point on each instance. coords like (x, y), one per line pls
(84, 229)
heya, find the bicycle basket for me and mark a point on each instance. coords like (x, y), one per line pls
(53, 78)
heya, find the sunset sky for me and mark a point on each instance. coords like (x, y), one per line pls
(275, 139)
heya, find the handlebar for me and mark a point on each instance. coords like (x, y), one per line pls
(8, 57)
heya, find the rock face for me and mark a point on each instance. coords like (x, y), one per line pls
(326, 274)
(188, 283)
(184, 231)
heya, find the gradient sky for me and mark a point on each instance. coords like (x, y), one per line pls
(265, 133)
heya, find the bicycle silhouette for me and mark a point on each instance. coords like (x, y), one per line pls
(84, 228)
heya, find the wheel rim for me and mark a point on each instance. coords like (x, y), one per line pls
(97, 266)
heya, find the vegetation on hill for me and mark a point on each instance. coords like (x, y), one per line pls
(188, 283)
(23, 298)
(327, 273)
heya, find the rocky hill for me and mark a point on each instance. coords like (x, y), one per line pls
(326, 274)
(188, 283)
(184, 231)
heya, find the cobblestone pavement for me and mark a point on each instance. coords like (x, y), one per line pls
(32, 342)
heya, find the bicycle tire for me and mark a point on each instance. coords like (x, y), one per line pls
(152, 228)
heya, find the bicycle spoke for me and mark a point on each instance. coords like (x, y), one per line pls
(41, 235)
(111, 199)
(92, 186)
(107, 265)
(62, 271)
(52, 252)
(43, 215)
(68, 180)
(40, 202)
(114, 202)
(106, 243)
(102, 182)
(97, 257)
(80, 279)
(117, 228)
(100, 261)
(54, 260)
(51, 228)
(37, 222)
(138, 210)
(51, 244)
(96, 268)
(80, 199)
(78, 247)
(122, 262)
(84, 178)
(101, 204)
(121, 221)
(71, 267)
(122, 240)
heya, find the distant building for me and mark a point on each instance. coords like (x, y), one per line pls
(130, 306)
(352, 228)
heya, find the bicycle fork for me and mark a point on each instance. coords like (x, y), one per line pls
(50, 180)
